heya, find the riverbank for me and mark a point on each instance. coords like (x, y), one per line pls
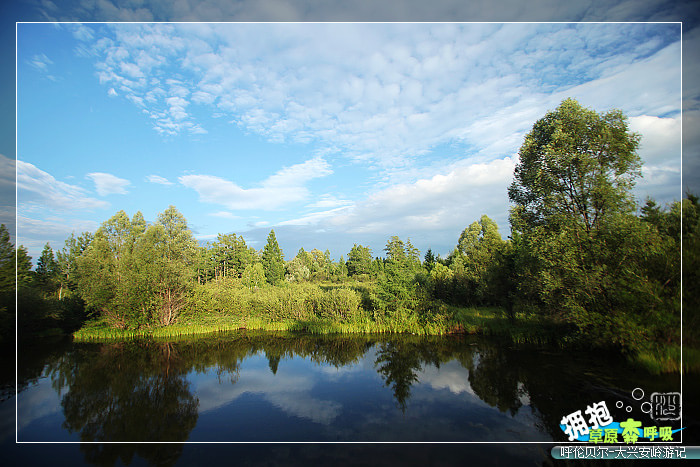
(488, 321)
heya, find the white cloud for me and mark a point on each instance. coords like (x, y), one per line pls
(282, 188)
(316, 217)
(661, 138)
(452, 376)
(329, 201)
(158, 179)
(7, 174)
(445, 201)
(34, 233)
(432, 211)
(290, 393)
(36, 189)
(112, 92)
(224, 214)
(384, 93)
(108, 184)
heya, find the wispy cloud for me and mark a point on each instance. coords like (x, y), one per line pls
(108, 184)
(40, 62)
(158, 179)
(37, 189)
(284, 187)
(329, 201)
(224, 214)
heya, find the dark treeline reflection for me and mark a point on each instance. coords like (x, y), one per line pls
(139, 390)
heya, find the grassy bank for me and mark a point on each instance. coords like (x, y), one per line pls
(484, 321)
(488, 321)
(357, 308)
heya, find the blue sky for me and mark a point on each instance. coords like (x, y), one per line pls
(332, 134)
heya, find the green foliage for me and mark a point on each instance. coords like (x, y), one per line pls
(66, 262)
(7, 261)
(136, 275)
(429, 260)
(475, 267)
(25, 275)
(297, 271)
(47, 272)
(359, 261)
(227, 257)
(397, 286)
(272, 260)
(576, 166)
(167, 254)
(580, 253)
(691, 272)
(253, 276)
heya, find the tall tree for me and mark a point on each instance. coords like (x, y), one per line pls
(66, 261)
(578, 165)
(581, 253)
(272, 260)
(359, 260)
(429, 260)
(7, 261)
(109, 277)
(473, 260)
(25, 275)
(46, 273)
(172, 266)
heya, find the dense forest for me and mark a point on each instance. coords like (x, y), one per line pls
(583, 258)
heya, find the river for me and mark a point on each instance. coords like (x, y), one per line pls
(245, 387)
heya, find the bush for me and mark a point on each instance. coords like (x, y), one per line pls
(295, 301)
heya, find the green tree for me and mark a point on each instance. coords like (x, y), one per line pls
(253, 276)
(46, 273)
(8, 255)
(359, 260)
(473, 261)
(581, 253)
(272, 260)
(109, 277)
(66, 261)
(576, 166)
(230, 256)
(172, 267)
(25, 275)
(137, 274)
(397, 287)
(7, 261)
(429, 260)
(297, 270)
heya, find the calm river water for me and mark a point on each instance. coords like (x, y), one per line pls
(272, 387)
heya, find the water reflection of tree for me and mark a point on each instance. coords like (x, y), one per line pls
(127, 392)
(139, 391)
(494, 377)
(398, 362)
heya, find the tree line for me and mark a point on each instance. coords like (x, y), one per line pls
(581, 252)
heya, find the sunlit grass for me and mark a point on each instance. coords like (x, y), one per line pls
(448, 320)
(667, 359)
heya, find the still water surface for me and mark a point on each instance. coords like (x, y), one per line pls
(281, 387)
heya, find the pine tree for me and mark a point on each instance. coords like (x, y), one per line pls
(272, 260)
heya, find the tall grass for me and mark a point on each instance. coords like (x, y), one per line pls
(667, 359)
